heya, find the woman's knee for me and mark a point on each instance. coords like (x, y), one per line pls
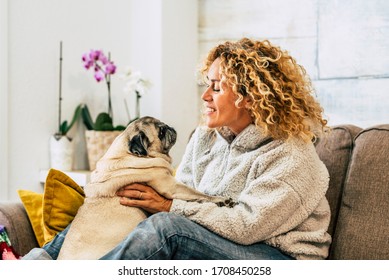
(167, 223)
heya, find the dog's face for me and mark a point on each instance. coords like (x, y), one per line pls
(148, 136)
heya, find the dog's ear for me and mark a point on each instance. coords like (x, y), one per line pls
(139, 144)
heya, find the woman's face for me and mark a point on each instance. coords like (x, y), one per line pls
(219, 101)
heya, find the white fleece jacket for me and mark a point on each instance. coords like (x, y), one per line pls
(279, 188)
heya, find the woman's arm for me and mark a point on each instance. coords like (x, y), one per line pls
(265, 209)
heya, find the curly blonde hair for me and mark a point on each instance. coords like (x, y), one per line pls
(280, 89)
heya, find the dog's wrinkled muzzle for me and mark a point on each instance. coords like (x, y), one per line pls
(168, 136)
(171, 135)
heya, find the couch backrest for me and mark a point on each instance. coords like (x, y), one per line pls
(16, 222)
(362, 227)
(335, 151)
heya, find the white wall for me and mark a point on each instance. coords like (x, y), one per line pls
(3, 99)
(343, 45)
(136, 33)
(179, 64)
(166, 46)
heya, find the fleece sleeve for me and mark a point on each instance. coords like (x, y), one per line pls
(266, 208)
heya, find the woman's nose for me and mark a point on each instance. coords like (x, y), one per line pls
(206, 96)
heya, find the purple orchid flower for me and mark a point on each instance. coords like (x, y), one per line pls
(110, 68)
(95, 54)
(103, 69)
(101, 64)
(103, 58)
(99, 76)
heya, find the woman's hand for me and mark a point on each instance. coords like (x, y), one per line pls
(145, 197)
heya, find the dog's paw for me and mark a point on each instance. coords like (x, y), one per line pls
(226, 203)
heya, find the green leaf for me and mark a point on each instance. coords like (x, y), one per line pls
(86, 117)
(76, 116)
(103, 122)
(120, 127)
(106, 127)
(64, 128)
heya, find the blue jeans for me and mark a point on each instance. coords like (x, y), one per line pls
(50, 251)
(167, 236)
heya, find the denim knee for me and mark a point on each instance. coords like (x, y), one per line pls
(167, 224)
(151, 239)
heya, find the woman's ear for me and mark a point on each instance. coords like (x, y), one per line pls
(247, 102)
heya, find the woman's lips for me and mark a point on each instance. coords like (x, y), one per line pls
(209, 110)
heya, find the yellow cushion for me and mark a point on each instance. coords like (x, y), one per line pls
(60, 201)
(33, 204)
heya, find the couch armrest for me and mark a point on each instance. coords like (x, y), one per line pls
(16, 222)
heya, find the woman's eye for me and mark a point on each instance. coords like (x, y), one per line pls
(215, 87)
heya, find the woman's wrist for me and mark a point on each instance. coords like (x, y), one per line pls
(166, 205)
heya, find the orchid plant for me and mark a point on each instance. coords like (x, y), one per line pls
(135, 83)
(103, 69)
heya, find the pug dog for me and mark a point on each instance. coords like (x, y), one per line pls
(140, 154)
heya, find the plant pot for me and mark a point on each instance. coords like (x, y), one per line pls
(61, 153)
(97, 144)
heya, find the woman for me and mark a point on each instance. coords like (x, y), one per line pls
(256, 147)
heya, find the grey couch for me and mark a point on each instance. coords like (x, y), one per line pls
(358, 163)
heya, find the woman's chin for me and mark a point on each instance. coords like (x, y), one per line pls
(210, 124)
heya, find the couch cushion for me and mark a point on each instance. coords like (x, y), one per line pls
(335, 151)
(33, 205)
(363, 224)
(61, 200)
(52, 211)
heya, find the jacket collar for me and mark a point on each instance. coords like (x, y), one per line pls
(248, 139)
